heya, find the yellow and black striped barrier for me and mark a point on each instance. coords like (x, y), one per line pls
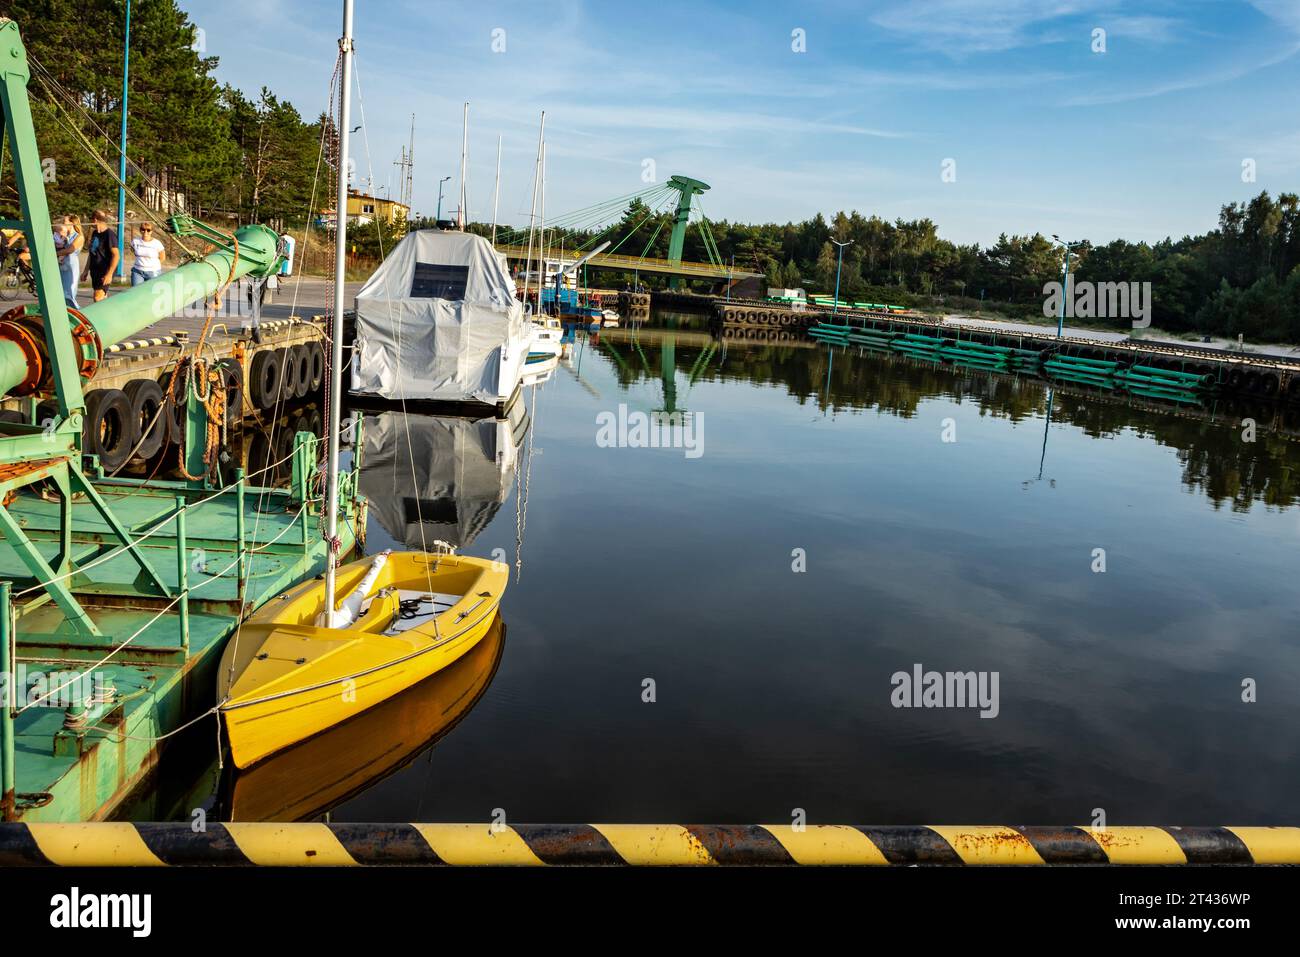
(331, 845)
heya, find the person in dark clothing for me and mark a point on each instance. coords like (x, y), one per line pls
(103, 256)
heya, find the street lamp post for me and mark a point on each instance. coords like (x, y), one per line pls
(121, 163)
(438, 216)
(838, 265)
(1065, 289)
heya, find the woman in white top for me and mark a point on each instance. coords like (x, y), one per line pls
(149, 255)
(67, 243)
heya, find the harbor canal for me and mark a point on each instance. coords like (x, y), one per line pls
(711, 632)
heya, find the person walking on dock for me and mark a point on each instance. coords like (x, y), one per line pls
(68, 240)
(103, 256)
(149, 255)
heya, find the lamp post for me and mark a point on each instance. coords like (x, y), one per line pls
(121, 163)
(1065, 289)
(839, 264)
(438, 216)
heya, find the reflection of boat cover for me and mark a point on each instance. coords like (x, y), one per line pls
(326, 770)
(448, 483)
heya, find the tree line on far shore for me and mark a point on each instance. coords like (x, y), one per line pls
(193, 144)
(1241, 278)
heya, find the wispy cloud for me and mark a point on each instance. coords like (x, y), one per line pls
(958, 27)
(1213, 78)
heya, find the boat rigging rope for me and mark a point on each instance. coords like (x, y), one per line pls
(322, 157)
(56, 91)
(77, 676)
(398, 326)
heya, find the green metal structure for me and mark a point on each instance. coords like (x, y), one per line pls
(118, 595)
(687, 189)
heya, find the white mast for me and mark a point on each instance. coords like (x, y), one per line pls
(340, 259)
(532, 210)
(541, 239)
(464, 152)
(496, 192)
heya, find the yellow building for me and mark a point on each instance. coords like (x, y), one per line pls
(364, 208)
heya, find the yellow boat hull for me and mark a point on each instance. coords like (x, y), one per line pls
(283, 679)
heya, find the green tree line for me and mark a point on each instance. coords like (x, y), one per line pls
(194, 145)
(1241, 278)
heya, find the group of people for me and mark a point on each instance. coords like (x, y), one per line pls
(102, 255)
(100, 245)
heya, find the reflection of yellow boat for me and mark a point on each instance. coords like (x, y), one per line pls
(284, 678)
(323, 772)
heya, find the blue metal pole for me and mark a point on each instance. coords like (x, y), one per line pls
(1065, 294)
(121, 165)
(838, 265)
(836, 308)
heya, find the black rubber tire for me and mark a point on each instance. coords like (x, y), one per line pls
(12, 415)
(1268, 383)
(1252, 382)
(317, 350)
(109, 428)
(300, 364)
(45, 411)
(315, 424)
(284, 441)
(1236, 378)
(176, 405)
(264, 379)
(147, 399)
(259, 457)
(232, 379)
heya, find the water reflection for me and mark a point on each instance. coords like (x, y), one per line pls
(1216, 461)
(322, 772)
(434, 478)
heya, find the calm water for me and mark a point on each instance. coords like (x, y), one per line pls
(1119, 690)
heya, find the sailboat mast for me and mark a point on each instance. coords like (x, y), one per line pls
(336, 355)
(541, 239)
(464, 152)
(496, 192)
(532, 213)
(410, 170)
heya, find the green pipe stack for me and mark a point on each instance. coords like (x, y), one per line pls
(1143, 380)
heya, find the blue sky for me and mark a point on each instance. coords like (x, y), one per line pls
(1142, 141)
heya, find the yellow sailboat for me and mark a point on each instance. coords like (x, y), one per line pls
(292, 672)
(309, 779)
(306, 661)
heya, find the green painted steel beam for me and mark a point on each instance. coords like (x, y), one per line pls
(30, 179)
(126, 313)
(687, 189)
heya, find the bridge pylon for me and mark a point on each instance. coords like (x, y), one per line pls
(687, 189)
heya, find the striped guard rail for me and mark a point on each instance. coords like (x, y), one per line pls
(281, 845)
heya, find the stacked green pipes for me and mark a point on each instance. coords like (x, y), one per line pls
(1102, 373)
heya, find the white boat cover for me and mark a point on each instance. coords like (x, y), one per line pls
(439, 320)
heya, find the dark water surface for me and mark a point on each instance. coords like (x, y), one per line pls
(1119, 690)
